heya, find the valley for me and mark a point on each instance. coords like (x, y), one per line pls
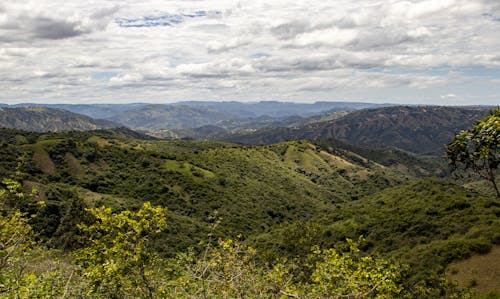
(282, 191)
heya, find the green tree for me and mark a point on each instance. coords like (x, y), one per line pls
(478, 149)
(26, 271)
(353, 275)
(117, 262)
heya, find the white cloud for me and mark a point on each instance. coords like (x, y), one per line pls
(68, 50)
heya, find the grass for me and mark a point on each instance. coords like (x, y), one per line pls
(191, 171)
(42, 159)
(98, 140)
(479, 271)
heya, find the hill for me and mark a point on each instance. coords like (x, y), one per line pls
(98, 111)
(41, 119)
(281, 199)
(427, 223)
(252, 188)
(421, 130)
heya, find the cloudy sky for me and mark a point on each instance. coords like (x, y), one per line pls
(107, 51)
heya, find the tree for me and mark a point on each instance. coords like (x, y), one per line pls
(117, 262)
(26, 269)
(478, 149)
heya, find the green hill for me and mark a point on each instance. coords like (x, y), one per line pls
(427, 223)
(282, 199)
(418, 129)
(251, 188)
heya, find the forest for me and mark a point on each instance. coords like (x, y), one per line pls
(100, 214)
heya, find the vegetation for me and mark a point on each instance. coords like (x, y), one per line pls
(117, 263)
(117, 217)
(420, 130)
(478, 149)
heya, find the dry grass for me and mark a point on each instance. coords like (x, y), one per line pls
(338, 162)
(479, 271)
(43, 161)
(74, 166)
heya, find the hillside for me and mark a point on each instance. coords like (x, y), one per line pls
(427, 223)
(281, 199)
(239, 125)
(421, 130)
(40, 119)
(252, 188)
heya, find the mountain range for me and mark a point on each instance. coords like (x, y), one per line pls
(188, 115)
(418, 129)
(422, 130)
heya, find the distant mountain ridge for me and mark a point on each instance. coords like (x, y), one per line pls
(418, 129)
(41, 119)
(166, 116)
(192, 114)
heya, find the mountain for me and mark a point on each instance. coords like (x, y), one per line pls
(154, 117)
(418, 129)
(239, 125)
(188, 115)
(41, 119)
(281, 109)
(98, 111)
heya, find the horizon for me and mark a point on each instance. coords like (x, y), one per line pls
(208, 102)
(420, 52)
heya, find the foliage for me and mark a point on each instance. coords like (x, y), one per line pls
(20, 255)
(117, 261)
(251, 187)
(283, 199)
(351, 275)
(15, 248)
(478, 149)
(427, 224)
(227, 270)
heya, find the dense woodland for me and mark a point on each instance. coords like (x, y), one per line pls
(110, 214)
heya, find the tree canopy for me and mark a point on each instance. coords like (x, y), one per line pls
(478, 149)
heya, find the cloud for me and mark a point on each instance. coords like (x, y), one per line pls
(23, 23)
(126, 78)
(124, 50)
(449, 96)
(48, 28)
(219, 68)
(290, 29)
(219, 47)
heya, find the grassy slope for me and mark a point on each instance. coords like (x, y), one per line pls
(479, 271)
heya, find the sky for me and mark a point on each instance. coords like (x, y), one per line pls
(443, 52)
